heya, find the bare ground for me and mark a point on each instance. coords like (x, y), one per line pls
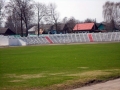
(109, 85)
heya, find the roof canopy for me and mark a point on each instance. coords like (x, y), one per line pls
(3, 30)
(84, 26)
(6, 31)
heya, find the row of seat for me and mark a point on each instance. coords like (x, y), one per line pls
(69, 38)
(34, 40)
(106, 37)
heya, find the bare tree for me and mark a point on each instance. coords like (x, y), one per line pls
(14, 10)
(118, 15)
(13, 22)
(53, 15)
(107, 11)
(23, 9)
(13, 19)
(27, 13)
(64, 20)
(41, 13)
(1, 12)
(111, 13)
(70, 24)
(88, 20)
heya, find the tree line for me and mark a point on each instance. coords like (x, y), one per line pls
(23, 14)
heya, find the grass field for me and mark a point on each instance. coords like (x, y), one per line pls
(58, 67)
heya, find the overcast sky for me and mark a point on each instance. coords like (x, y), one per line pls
(80, 9)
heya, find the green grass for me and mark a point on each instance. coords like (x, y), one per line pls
(57, 66)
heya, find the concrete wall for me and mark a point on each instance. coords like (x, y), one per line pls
(4, 41)
(16, 42)
(11, 41)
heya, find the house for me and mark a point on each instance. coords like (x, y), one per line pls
(44, 29)
(47, 28)
(60, 29)
(101, 27)
(52, 29)
(116, 29)
(34, 31)
(6, 31)
(85, 28)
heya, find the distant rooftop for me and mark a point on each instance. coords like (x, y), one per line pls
(83, 26)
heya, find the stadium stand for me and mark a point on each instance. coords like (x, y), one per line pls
(59, 38)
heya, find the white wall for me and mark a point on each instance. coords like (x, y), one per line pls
(11, 41)
(16, 42)
(4, 41)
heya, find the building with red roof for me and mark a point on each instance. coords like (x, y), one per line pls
(85, 28)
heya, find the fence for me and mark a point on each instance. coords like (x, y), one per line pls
(59, 39)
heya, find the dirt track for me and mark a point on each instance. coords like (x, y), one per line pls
(109, 85)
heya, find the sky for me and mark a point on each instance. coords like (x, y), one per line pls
(79, 9)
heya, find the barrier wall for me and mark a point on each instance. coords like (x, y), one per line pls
(4, 41)
(59, 39)
(16, 42)
(11, 41)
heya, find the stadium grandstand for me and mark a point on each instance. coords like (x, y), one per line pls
(59, 39)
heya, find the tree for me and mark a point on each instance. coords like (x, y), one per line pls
(110, 26)
(118, 15)
(111, 13)
(1, 12)
(88, 20)
(14, 10)
(27, 13)
(70, 24)
(13, 20)
(23, 9)
(53, 15)
(41, 13)
(13, 23)
(64, 20)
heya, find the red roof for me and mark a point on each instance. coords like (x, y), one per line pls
(84, 26)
